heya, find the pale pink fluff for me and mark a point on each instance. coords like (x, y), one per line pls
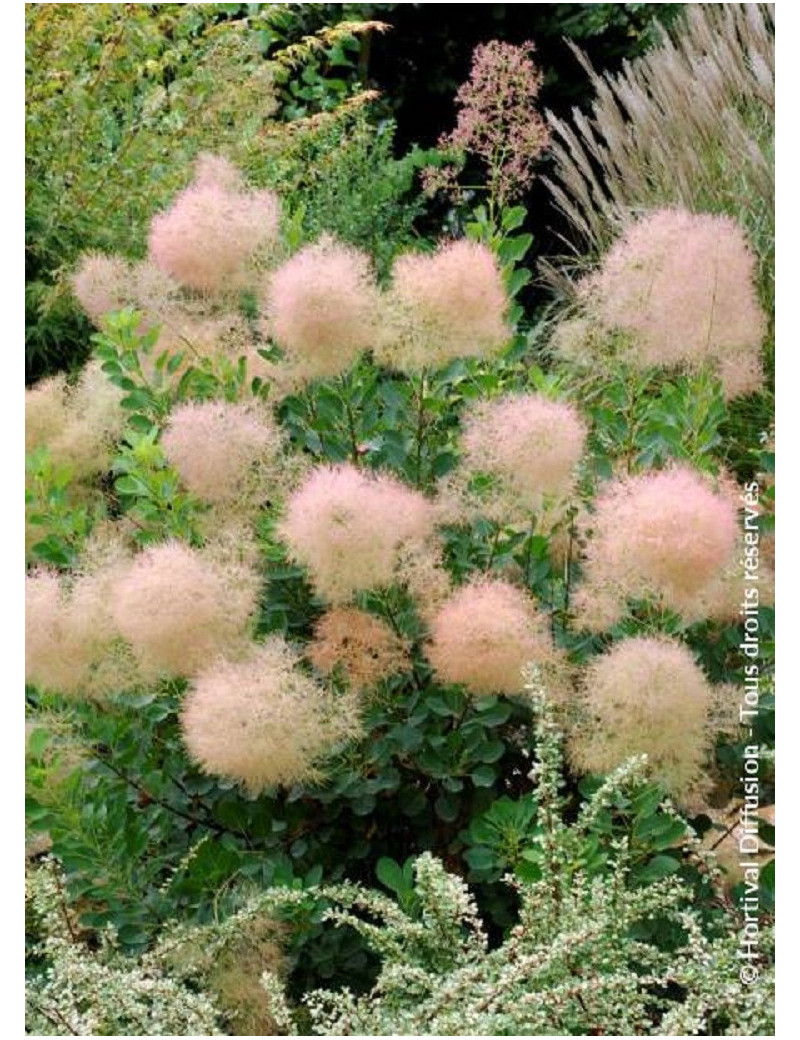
(646, 695)
(485, 635)
(263, 722)
(101, 284)
(77, 424)
(532, 443)
(682, 286)
(210, 232)
(442, 306)
(348, 527)
(71, 643)
(217, 447)
(217, 170)
(666, 536)
(179, 609)
(358, 645)
(322, 307)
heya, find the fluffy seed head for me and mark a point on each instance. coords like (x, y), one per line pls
(77, 424)
(101, 284)
(322, 307)
(532, 443)
(646, 695)
(45, 412)
(180, 609)
(682, 287)
(485, 635)
(261, 721)
(210, 232)
(220, 449)
(348, 528)
(71, 644)
(665, 536)
(447, 305)
(359, 644)
(210, 169)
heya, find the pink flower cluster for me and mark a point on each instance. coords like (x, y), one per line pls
(682, 287)
(217, 447)
(179, 610)
(485, 634)
(358, 645)
(322, 308)
(443, 306)
(532, 443)
(647, 695)
(261, 721)
(497, 119)
(348, 528)
(665, 536)
(212, 230)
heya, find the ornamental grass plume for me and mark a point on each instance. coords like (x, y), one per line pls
(348, 528)
(180, 609)
(359, 645)
(531, 443)
(261, 721)
(443, 306)
(485, 635)
(212, 231)
(646, 695)
(666, 536)
(322, 307)
(681, 287)
(222, 451)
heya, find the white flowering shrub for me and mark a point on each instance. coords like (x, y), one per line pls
(580, 960)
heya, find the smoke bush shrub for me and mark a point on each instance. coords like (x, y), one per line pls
(342, 517)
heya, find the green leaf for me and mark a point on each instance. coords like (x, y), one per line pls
(390, 874)
(658, 867)
(480, 858)
(483, 776)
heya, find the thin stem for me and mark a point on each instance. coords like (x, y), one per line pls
(137, 786)
(529, 553)
(419, 436)
(345, 387)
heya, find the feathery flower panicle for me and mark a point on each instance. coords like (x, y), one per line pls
(485, 635)
(497, 118)
(362, 646)
(77, 424)
(532, 443)
(646, 695)
(212, 230)
(216, 170)
(349, 527)
(681, 286)
(666, 536)
(443, 306)
(222, 450)
(101, 284)
(263, 722)
(180, 609)
(71, 642)
(322, 307)
(45, 412)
